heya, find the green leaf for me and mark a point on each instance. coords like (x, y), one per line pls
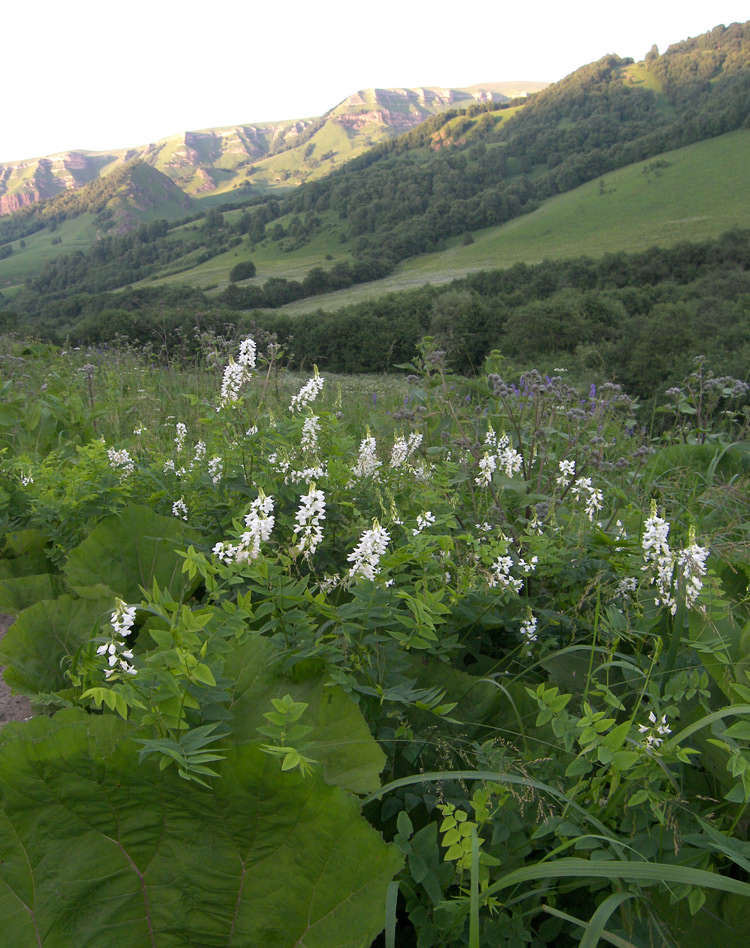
(21, 592)
(260, 858)
(44, 636)
(129, 550)
(340, 739)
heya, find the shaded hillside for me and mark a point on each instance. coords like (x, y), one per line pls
(262, 155)
(454, 175)
(129, 195)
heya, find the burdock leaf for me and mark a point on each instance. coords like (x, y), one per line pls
(128, 550)
(96, 849)
(340, 739)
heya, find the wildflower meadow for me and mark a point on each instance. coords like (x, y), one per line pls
(417, 660)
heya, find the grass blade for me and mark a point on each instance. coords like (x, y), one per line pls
(601, 916)
(615, 940)
(391, 900)
(648, 872)
(474, 898)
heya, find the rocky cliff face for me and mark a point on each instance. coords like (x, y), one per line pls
(14, 202)
(225, 158)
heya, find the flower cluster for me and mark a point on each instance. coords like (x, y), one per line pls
(498, 454)
(248, 350)
(216, 469)
(365, 558)
(309, 521)
(236, 374)
(567, 471)
(592, 497)
(121, 461)
(308, 393)
(500, 575)
(310, 432)
(659, 559)
(655, 730)
(423, 521)
(179, 509)
(403, 448)
(528, 630)
(367, 463)
(691, 568)
(181, 434)
(118, 655)
(259, 522)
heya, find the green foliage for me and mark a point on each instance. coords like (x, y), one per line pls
(128, 552)
(262, 857)
(242, 271)
(469, 592)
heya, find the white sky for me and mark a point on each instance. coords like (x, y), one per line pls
(97, 75)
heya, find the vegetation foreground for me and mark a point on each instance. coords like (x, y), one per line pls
(435, 661)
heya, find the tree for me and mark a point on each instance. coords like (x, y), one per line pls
(245, 270)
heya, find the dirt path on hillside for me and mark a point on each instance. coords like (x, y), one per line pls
(12, 707)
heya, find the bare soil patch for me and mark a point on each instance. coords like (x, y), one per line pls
(12, 707)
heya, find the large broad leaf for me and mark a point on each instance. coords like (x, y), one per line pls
(44, 636)
(23, 591)
(130, 550)
(340, 740)
(26, 565)
(97, 850)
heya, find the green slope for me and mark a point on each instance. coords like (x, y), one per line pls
(79, 233)
(703, 191)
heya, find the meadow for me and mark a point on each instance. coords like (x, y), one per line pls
(417, 660)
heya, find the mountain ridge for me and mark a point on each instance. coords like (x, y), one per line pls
(224, 158)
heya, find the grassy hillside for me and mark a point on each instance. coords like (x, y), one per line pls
(463, 190)
(76, 234)
(693, 193)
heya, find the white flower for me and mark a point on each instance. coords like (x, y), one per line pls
(179, 509)
(592, 496)
(234, 378)
(528, 630)
(329, 582)
(423, 521)
(308, 393)
(121, 461)
(27, 479)
(118, 655)
(654, 730)
(500, 575)
(179, 440)
(259, 522)
(691, 566)
(367, 463)
(310, 431)
(658, 559)
(499, 454)
(309, 521)
(252, 430)
(626, 587)
(487, 467)
(403, 449)
(139, 430)
(246, 357)
(216, 469)
(199, 452)
(225, 552)
(567, 471)
(365, 558)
